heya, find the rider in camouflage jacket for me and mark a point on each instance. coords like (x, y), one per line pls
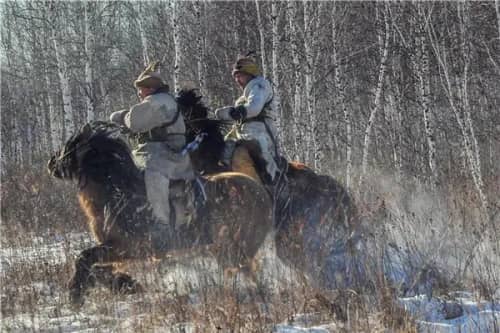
(159, 130)
(253, 114)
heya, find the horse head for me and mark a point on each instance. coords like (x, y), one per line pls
(64, 164)
(197, 120)
(97, 150)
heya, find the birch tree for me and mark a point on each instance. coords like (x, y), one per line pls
(176, 12)
(497, 9)
(299, 127)
(456, 90)
(55, 125)
(311, 140)
(89, 60)
(337, 74)
(340, 83)
(378, 95)
(58, 35)
(421, 65)
(139, 8)
(201, 61)
(262, 34)
(275, 67)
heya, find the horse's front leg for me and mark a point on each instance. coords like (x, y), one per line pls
(82, 278)
(116, 281)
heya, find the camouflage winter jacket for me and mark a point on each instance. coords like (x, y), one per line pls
(160, 132)
(257, 99)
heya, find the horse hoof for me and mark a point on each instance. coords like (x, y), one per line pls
(124, 284)
(76, 298)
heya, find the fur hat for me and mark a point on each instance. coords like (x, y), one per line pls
(246, 65)
(150, 77)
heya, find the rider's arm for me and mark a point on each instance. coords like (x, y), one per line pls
(118, 117)
(146, 116)
(257, 95)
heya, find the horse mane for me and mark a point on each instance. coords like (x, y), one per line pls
(108, 158)
(196, 117)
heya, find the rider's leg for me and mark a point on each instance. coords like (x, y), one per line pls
(157, 190)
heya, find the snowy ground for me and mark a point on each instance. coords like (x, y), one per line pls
(33, 298)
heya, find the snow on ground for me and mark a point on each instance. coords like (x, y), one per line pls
(47, 310)
(463, 314)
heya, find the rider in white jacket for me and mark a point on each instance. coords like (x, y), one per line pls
(159, 129)
(253, 114)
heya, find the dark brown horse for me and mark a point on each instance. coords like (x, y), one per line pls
(231, 223)
(321, 225)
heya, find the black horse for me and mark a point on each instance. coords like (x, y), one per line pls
(321, 226)
(230, 224)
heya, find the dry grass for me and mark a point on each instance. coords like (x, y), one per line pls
(43, 230)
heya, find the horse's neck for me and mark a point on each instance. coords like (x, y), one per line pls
(113, 175)
(207, 156)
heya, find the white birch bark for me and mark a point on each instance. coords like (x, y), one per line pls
(62, 70)
(177, 43)
(424, 93)
(40, 127)
(340, 94)
(142, 33)
(107, 105)
(378, 98)
(497, 9)
(394, 113)
(260, 26)
(200, 10)
(297, 121)
(236, 34)
(89, 61)
(18, 157)
(456, 99)
(54, 121)
(276, 70)
(311, 139)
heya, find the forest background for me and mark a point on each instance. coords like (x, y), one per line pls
(399, 101)
(409, 88)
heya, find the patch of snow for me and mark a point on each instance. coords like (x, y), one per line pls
(476, 317)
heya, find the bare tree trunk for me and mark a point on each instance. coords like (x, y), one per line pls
(142, 32)
(448, 82)
(395, 122)
(62, 66)
(55, 121)
(89, 61)
(200, 12)
(423, 74)
(298, 121)
(340, 90)
(177, 43)
(260, 26)
(497, 9)
(18, 142)
(276, 70)
(311, 139)
(378, 97)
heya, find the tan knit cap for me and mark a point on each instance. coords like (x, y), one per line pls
(246, 65)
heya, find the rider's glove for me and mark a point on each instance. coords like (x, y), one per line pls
(238, 113)
(223, 113)
(118, 117)
(231, 113)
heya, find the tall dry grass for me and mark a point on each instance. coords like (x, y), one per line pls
(418, 242)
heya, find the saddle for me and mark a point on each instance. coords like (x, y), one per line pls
(245, 160)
